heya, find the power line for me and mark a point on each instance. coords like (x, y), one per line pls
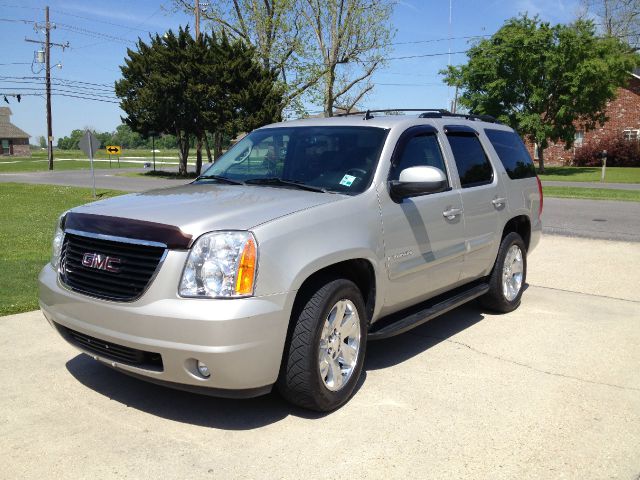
(102, 21)
(439, 54)
(91, 33)
(2, 77)
(435, 40)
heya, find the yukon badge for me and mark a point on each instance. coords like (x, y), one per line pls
(101, 262)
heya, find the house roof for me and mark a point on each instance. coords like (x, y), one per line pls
(636, 73)
(8, 129)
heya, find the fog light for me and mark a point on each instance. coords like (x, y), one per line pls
(203, 369)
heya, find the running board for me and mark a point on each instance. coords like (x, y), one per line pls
(397, 323)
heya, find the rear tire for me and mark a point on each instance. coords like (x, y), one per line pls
(507, 279)
(324, 355)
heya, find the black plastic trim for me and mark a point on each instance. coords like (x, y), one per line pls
(406, 320)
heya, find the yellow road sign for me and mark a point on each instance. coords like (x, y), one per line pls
(113, 150)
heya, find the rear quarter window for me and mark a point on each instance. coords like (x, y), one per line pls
(512, 153)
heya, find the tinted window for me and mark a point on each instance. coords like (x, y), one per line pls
(339, 159)
(419, 151)
(473, 165)
(512, 153)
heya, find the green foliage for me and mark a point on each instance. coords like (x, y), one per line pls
(186, 87)
(543, 80)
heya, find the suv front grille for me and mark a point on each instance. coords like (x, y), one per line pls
(108, 269)
(112, 351)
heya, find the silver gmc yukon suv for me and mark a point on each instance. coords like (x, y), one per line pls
(302, 242)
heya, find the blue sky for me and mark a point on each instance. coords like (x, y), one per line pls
(99, 33)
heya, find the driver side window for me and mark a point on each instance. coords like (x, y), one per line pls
(419, 151)
(262, 159)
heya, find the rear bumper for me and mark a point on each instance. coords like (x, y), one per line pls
(240, 340)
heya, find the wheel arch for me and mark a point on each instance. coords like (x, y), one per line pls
(521, 225)
(360, 271)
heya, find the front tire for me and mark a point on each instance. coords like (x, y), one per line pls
(324, 355)
(508, 276)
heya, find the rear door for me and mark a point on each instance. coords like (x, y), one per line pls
(482, 200)
(424, 248)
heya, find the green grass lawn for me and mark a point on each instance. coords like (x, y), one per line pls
(77, 160)
(592, 174)
(28, 216)
(593, 193)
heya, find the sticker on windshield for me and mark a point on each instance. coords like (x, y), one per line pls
(347, 180)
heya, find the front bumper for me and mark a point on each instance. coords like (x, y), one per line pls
(240, 340)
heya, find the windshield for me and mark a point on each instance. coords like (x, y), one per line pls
(336, 159)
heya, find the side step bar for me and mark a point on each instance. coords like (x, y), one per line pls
(396, 324)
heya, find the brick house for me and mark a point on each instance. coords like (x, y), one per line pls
(624, 120)
(13, 141)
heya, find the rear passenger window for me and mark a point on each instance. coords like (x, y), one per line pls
(420, 151)
(473, 165)
(512, 153)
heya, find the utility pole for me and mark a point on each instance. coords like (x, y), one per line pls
(47, 58)
(197, 8)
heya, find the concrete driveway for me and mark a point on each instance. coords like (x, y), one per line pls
(551, 390)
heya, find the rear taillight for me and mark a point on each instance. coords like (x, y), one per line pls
(541, 196)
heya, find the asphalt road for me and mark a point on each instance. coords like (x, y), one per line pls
(105, 179)
(549, 391)
(592, 219)
(580, 218)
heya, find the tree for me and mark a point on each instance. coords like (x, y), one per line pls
(543, 80)
(322, 50)
(42, 141)
(616, 18)
(186, 87)
(153, 89)
(350, 38)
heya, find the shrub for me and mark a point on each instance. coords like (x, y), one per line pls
(620, 153)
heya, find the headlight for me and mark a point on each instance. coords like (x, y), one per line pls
(220, 264)
(56, 245)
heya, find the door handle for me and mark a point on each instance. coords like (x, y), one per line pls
(452, 213)
(498, 202)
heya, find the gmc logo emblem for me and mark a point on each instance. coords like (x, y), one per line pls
(101, 262)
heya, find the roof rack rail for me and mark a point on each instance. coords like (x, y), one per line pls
(425, 113)
(467, 116)
(389, 110)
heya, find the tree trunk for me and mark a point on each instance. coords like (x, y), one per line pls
(183, 145)
(540, 159)
(206, 144)
(199, 156)
(328, 93)
(217, 144)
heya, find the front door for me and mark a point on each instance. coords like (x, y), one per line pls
(424, 248)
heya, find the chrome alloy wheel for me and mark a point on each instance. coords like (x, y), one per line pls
(512, 273)
(339, 345)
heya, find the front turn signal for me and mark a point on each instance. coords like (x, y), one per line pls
(247, 269)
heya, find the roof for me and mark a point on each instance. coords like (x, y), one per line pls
(636, 73)
(386, 122)
(8, 129)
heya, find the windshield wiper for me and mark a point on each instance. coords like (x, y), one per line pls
(284, 183)
(230, 181)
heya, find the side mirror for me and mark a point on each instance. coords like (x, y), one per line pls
(415, 181)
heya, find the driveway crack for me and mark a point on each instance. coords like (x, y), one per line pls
(527, 366)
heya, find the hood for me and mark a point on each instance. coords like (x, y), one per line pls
(197, 209)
